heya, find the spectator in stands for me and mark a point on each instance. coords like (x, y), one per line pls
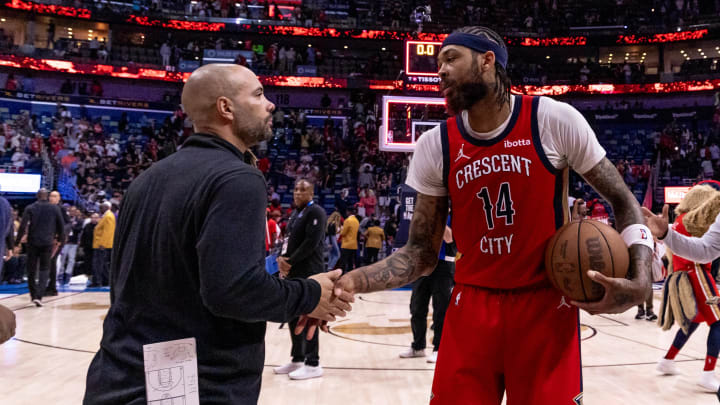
(19, 158)
(11, 84)
(342, 203)
(102, 53)
(37, 143)
(96, 89)
(57, 142)
(290, 60)
(30, 30)
(50, 39)
(369, 201)
(68, 87)
(708, 170)
(102, 245)
(349, 246)
(630, 175)
(282, 59)
(627, 72)
(44, 225)
(240, 60)
(94, 47)
(165, 54)
(28, 83)
(365, 178)
(325, 102)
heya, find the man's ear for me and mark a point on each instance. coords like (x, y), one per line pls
(487, 61)
(224, 107)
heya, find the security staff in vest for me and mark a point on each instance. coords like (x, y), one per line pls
(302, 256)
(437, 285)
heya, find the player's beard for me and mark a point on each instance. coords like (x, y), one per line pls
(463, 96)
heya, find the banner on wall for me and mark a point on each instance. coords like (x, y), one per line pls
(85, 100)
(185, 65)
(307, 70)
(225, 55)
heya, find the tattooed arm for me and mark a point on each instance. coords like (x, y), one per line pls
(417, 258)
(620, 294)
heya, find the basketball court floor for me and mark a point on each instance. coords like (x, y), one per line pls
(48, 359)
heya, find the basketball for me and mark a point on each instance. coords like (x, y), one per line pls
(580, 246)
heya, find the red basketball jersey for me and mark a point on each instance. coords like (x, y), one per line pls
(679, 263)
(507, 200)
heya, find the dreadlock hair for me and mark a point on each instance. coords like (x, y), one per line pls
(502, 80)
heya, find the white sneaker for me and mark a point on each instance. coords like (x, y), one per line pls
(288, 368)
(432, 358)
(410, 353)
(305, 372)
(667, 366)
(37, 302)
(709, 381)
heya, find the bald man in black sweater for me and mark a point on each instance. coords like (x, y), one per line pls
(189, 255)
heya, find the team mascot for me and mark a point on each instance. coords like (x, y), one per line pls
(690, 294)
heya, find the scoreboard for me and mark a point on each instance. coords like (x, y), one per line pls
(421, 62)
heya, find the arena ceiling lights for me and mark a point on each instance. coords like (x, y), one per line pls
(238, 25)
(661, 38)
(64, 66)
(39, 8)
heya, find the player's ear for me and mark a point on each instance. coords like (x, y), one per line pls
(487, 61)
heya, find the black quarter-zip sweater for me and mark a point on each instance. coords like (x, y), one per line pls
(189, 261)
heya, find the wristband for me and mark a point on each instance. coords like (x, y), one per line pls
(638, 234)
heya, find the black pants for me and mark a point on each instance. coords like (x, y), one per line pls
(52, 280)
(348, 259)
(304, 350)
(371, 255)
(437, 285)
(14, 269)
(38, 255)
(87, 261)
(100, 267)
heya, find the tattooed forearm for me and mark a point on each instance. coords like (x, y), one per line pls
(417, 258)
(606, 180)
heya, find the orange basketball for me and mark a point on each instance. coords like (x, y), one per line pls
(580, 246)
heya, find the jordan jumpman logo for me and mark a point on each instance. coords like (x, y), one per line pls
(461, 154)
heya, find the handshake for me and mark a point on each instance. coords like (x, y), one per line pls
(336, 296)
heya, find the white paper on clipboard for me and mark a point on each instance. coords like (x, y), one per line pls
(171, 376)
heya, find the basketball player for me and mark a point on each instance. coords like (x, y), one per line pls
(502, 161)
(703, 288)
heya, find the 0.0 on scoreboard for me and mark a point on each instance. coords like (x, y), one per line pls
(421, 58)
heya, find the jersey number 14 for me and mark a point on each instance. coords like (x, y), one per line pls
(503, 207)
